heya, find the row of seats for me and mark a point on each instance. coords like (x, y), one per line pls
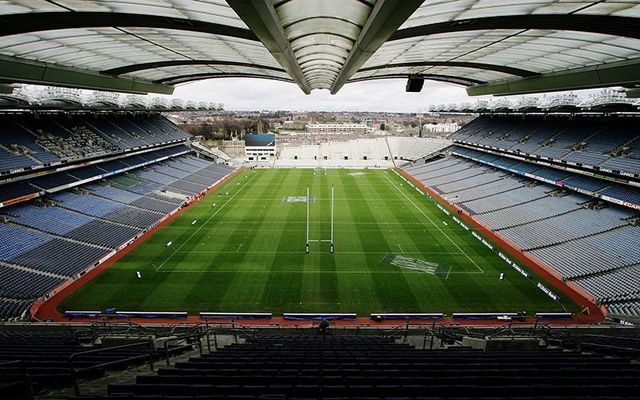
(14, 190)
(43, 356)
(599, 187)
(586, 240)
(56, 238)
(358, 153)
(371, 367)
(27, 142)
(610, 144)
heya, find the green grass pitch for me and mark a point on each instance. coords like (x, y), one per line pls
(242, 249)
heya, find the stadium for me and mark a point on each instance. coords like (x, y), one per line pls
(501, 260)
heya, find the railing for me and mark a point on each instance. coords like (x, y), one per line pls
(197, 336)
(74, 371)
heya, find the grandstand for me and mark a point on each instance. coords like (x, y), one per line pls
(548, 186)
(70, 216)
(383, 152)
(499, 262)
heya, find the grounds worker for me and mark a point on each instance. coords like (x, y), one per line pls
(324, 326)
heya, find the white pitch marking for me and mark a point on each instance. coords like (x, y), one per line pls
(239, 247)
(348, 272)
(202, 226)
(434, 224)
(401, 250)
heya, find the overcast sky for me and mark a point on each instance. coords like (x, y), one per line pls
(262, 94)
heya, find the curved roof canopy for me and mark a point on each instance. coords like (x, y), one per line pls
(490, 46)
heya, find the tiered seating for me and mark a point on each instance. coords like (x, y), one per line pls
(12, 309)
(594, 142)
(62, 257)
(371, 367)
(27, 142)
(87, 203)
(48, 219)
(84, 225)
(531, 211)
(21, 284)
(38, 251)
(358, 153)
(44, 355)
(14, 190)
(22, 241)
(559, 227)
(512, 198)
(573, 225)
(104, 233)
(618, 285)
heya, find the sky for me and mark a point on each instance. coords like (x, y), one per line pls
(261, 94)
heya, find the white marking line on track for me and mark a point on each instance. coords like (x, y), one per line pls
(433, 223)
(204, 224)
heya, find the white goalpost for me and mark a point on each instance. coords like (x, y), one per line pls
(330, 240)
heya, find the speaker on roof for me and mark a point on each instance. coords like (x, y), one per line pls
(414, 84)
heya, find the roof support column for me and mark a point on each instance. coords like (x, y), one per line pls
(385, 18)
(260, 16)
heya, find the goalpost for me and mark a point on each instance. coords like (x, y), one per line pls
(330, 240)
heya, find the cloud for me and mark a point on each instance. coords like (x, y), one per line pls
(261, 94)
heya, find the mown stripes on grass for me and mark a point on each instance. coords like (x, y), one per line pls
(247, 254)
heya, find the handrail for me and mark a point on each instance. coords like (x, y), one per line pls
(391, 332)
(74, 371)
(23, 372)
(197, 336)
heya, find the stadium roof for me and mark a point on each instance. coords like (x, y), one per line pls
(490, 46)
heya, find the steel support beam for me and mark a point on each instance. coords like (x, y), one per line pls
(613, 74)
(6, 89)
(385, 18)
(633, 93)
(172, 63)
(175, 80)
(260, 16)
(14, 24)
(604, 24)
(456, 80)
(16, 70)
(464, 64)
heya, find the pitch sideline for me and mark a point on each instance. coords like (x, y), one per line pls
(433, 223)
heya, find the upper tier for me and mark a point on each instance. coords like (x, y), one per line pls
(605, 144)
(29, 143)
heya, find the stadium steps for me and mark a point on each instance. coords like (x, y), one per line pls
(362, 366)
(626, 144)
(586, 140)
(98, 387)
